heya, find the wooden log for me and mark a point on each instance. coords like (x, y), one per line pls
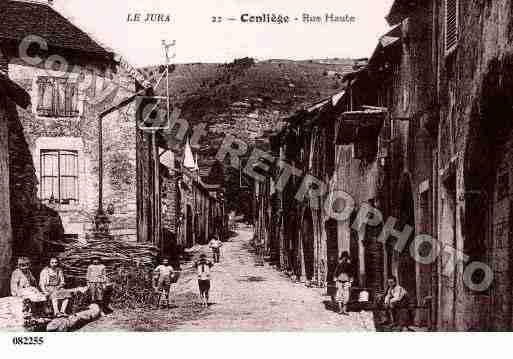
(74, 321)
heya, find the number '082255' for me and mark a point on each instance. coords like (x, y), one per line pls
(28, 340)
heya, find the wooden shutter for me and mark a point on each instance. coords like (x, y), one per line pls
(46, 93)
(451, 25)
(71, 100)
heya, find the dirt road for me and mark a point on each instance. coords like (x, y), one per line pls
(244, 297)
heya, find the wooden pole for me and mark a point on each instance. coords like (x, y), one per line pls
(5, 206)
(156, 174)
(100, 164)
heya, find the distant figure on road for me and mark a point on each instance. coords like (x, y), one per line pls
(51, 281)
(395, 299)
(163, 277)
(343, 277)
(215, 244)
(203, 269)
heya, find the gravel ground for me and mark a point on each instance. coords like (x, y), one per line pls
(244, 297)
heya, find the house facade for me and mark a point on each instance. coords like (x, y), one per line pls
(423, 134)
(70, 84)
(468, 130)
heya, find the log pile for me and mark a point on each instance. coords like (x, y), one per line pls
(129, 267)
(13, 313)
(114, 254)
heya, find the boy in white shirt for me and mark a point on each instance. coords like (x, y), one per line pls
(162, 277)
(215, 244)
(203, 269)
(396, 298)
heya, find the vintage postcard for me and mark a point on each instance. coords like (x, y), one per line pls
(263, 166)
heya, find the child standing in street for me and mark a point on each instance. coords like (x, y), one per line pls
(343, 277)
(163, 276)
(203, 269)
(215, 244)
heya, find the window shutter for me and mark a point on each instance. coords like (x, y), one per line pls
(71, 101)
(58, 97)
(451, 25)
(45, 101)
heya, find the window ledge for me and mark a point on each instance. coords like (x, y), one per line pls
(64, 207)
(60, 117)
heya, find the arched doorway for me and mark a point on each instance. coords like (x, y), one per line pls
(331, 227)
(189, 227)
(307, 235)
(407, 271)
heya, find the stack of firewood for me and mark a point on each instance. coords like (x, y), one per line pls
(13, 313)
(116, 255)
(129, 267)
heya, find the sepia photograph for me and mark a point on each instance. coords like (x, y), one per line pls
(255, 166)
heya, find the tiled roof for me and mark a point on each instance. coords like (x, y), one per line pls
(22, 18)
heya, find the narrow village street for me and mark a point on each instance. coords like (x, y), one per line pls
(244, 297)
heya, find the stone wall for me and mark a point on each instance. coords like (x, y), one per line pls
(475, 91)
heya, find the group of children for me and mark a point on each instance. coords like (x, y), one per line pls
(395, 299)
(165, 275)
(52, 282)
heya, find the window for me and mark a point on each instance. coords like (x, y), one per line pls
(451, 25)
(59, 176)
(58, 97)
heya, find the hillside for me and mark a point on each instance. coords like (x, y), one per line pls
(246, 98)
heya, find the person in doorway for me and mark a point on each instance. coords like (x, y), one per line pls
(215, 245)
(97, 284)
(163, 277)
(23, 283)
(343, 278)
(396, 298)
(51, 282)
(203, 267)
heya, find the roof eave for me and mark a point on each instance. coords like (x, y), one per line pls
(13, 91)
(399, 11)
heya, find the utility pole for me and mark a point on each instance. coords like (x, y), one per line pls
(157, 230)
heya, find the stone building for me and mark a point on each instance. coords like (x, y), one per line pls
(423, 134)
(201, 210)
(70, 79)
(475, 88)
(189, 210)
(463, 135)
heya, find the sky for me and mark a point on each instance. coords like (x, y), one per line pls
(198, 39)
